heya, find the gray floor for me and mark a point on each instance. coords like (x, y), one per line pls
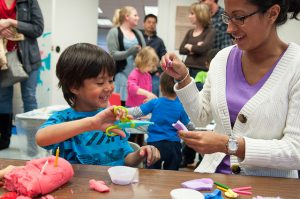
(17, 150)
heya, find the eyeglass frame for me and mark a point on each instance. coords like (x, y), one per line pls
(238, 18)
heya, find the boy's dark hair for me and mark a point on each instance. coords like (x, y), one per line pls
(79, 62)
(150, 16)
(166, 84)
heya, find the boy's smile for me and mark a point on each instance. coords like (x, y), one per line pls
(94, 93)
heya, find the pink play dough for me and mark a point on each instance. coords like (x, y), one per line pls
(98, 185)
(29, 181)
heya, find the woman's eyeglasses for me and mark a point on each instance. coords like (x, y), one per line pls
(237, 20)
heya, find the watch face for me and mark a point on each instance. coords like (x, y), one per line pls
(232, 145)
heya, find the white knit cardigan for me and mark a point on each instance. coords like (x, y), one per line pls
(272, 129)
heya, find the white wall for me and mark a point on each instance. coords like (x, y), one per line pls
(290, 31)
(166, 23)
(166, 20)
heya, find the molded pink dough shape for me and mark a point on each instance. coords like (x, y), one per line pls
(29, 181)
(98, 185)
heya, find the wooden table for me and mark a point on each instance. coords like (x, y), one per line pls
(157, 184)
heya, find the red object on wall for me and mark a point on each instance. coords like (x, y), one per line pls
(115, 99)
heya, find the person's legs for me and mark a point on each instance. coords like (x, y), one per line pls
(5, 130)
(173, 155)
(170, 153)
(188, 156)
(6, 95)
(137, 138)
(121, 86)
(28, 90)
(157, 165)
(155, 84)
(199, 86)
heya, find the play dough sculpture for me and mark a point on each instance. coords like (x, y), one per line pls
(38, 177)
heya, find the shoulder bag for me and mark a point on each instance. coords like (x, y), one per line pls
(15, 72)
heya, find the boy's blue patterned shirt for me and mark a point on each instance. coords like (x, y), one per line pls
(93, 147)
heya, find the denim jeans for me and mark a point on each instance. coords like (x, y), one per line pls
(155, 85)
(28, 91)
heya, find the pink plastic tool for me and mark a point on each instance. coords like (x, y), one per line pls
(243, 190)
(170, 63)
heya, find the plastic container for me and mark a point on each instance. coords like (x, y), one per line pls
(27, 125)
(26, 130)
(183, 193)
(123, 175)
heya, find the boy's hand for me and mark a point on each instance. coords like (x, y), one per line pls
(151, 153)
(106, 118)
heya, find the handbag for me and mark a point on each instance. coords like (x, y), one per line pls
(15, 72)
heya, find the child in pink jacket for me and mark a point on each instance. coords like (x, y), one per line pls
(139, 84)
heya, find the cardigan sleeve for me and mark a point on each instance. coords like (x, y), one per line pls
(113, 45)
(195, 103)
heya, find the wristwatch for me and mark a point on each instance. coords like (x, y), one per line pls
(232, 145)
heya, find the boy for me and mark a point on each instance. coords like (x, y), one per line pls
(85, 74)
(165, 111)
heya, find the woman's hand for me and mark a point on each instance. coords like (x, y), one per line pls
(205, 142)
(106, 118)
(5, 23)
(173, 66)
(188, 47)
(7, 33)
(151, 153)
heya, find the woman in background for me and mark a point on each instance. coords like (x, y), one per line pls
(199, 40)
(27, 18)
(124, 41)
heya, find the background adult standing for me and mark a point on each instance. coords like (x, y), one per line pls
(123, 42)
(27, 18)
(199, 39)
(155, 42)
(222, 38)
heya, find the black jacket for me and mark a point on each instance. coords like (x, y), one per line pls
(31, 24)
(156, 43)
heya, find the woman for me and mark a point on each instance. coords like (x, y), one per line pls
(252, 92)
(198, 40)
(124, 41)
(27, 18)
